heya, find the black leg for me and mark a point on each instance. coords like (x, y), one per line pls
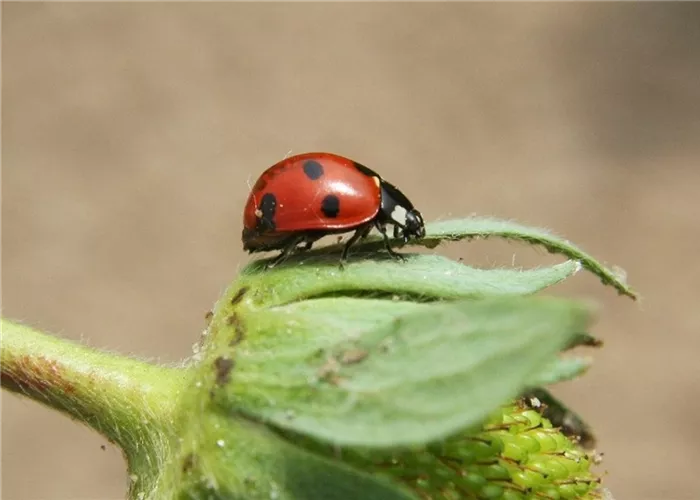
(309, 241)
(382, 229)
(286, 252)
(359, 234)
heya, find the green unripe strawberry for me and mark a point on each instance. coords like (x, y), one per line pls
(516, 455)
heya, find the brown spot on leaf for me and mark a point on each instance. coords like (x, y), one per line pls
(235, 321)
(386, 344)
(353, 356)
(239, 295)
(329, 369)
(223, 368)
(189, 462)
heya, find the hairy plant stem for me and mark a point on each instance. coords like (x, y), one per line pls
(126, 400)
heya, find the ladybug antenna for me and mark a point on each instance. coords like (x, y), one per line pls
(247, 181)
(250, 190)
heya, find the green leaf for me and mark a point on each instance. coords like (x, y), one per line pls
(561, 370)
(484, 227)
(458, 229)
(424, 277)
(224, 457)
(409, 380)
(302, 328)
(585, 339)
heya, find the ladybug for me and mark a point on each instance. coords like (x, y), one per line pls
(308, 196)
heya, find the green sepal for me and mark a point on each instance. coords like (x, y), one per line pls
(415, 378)
(560, 370)
(419, 277)
(486, 227)
(225, 457)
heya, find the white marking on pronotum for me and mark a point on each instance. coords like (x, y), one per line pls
(399, 214)
(377, 181)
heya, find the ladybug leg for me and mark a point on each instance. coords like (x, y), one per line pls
(359, 234)
(309, 241)
(286, 251)
(382, 229)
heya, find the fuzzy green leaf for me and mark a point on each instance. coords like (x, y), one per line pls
(224, 457)
(484, 227)
(302, 328)
(585, 339)
(413, 379)
(425, 277)
(561, 370)
(458, 229)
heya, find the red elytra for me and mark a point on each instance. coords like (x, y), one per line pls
(305, 197)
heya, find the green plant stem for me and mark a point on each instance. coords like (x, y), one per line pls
(107, 392)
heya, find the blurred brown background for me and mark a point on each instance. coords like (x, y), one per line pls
(131, 131)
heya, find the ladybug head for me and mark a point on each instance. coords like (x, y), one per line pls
(415, 227)
(399, 211)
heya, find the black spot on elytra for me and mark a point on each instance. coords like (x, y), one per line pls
(365, 170)
(313, 169)
(239, 295)
(330, 206)
(223, 368)
(268, 206)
